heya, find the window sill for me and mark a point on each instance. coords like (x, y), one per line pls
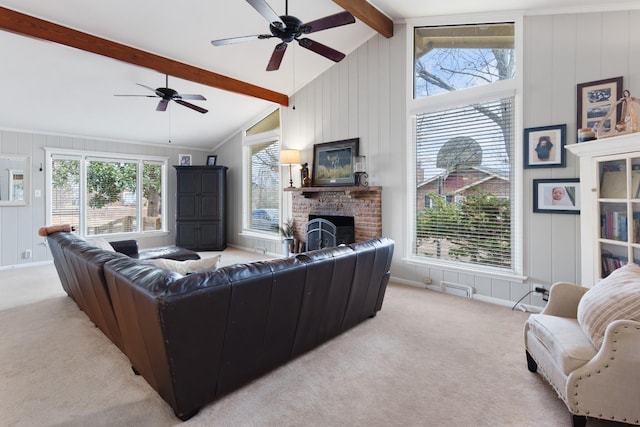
(257, 235)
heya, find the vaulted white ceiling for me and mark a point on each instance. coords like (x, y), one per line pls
(51, 88)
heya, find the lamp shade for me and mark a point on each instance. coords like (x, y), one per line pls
(289, 157)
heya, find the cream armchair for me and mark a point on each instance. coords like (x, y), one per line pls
(586, 344)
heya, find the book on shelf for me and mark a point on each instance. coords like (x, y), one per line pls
(614, 226)
(635, 236)
(635, 181)
(611, 262)
(614, 184)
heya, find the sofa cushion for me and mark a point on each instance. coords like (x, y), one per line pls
(101, 243)
(615, 297)
(188, 266)
(564, 339)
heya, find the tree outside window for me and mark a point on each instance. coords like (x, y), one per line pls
(111, 201)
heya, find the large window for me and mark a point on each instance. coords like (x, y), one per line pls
(448, 58)
(102, 195)
(262, 183)
(464, 145)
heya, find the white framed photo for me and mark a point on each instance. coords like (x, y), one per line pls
(184, 159)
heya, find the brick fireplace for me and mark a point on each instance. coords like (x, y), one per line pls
(364, 204)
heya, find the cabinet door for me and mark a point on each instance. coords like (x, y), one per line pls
(187, 234)
(187, 197)
(210, 236)
(209, 195)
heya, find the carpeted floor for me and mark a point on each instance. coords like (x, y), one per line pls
(427, 359)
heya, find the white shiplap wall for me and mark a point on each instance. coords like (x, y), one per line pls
(363, 96)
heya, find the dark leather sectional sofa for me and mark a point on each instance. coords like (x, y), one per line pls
(195, 338)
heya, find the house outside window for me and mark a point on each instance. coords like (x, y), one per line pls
(105, 195)
(262, 176)
(465, 90)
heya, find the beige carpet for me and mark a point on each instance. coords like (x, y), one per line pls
(427, 359)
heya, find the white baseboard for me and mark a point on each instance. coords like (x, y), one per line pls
(484, 298)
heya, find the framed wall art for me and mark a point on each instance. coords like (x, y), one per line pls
(333, 162)
(544, 146)
(595, 100)
(556, 195)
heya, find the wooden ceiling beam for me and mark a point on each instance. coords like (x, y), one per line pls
(368, 14)
(26, 25)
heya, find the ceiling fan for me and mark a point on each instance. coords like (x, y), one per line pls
(167, 94)
(288, 28)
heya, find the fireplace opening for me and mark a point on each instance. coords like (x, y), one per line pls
(345, 227)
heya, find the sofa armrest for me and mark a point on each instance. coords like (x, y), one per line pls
(563, 300)
(608, 386)
(127, 247)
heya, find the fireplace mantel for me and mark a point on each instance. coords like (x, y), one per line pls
(353, 190)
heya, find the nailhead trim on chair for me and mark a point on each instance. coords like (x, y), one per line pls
(597, 371)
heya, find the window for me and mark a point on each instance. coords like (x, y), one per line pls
(464, 156)
(448, 58)
(262, 184)
(106, 195)
(464, 145)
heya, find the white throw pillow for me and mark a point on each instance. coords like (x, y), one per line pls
(188, 266)
(615, 297)
(101, 243)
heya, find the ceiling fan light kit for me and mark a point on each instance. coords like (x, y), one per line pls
(288, 28)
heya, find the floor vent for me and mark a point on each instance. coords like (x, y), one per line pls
(457, 289)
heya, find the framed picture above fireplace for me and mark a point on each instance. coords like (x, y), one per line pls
(333, 163)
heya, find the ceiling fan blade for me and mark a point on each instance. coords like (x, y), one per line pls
(331, 21)
(321, 49)
(162, 105)
(189, 105)
(242, 39)
(265, 10)
(151, 89)
(197, 97)
(144, 96)
(276, 56)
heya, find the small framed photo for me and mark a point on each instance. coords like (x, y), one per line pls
(556, 195)
(596, 99)
(544, 147)
(184, 159)
(211, 160)
(334, 162)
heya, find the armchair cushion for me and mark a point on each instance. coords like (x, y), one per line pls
(615, 297)
(564, 340)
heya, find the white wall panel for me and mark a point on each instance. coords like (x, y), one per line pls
(363, 96)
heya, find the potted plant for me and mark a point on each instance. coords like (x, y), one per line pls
(287, 230)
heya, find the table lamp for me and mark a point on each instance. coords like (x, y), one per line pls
(290, 157)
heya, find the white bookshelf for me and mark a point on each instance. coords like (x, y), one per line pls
(610, 204)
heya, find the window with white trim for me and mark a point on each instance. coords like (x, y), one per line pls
(463, 116)
(103, 194)
(262, 176)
